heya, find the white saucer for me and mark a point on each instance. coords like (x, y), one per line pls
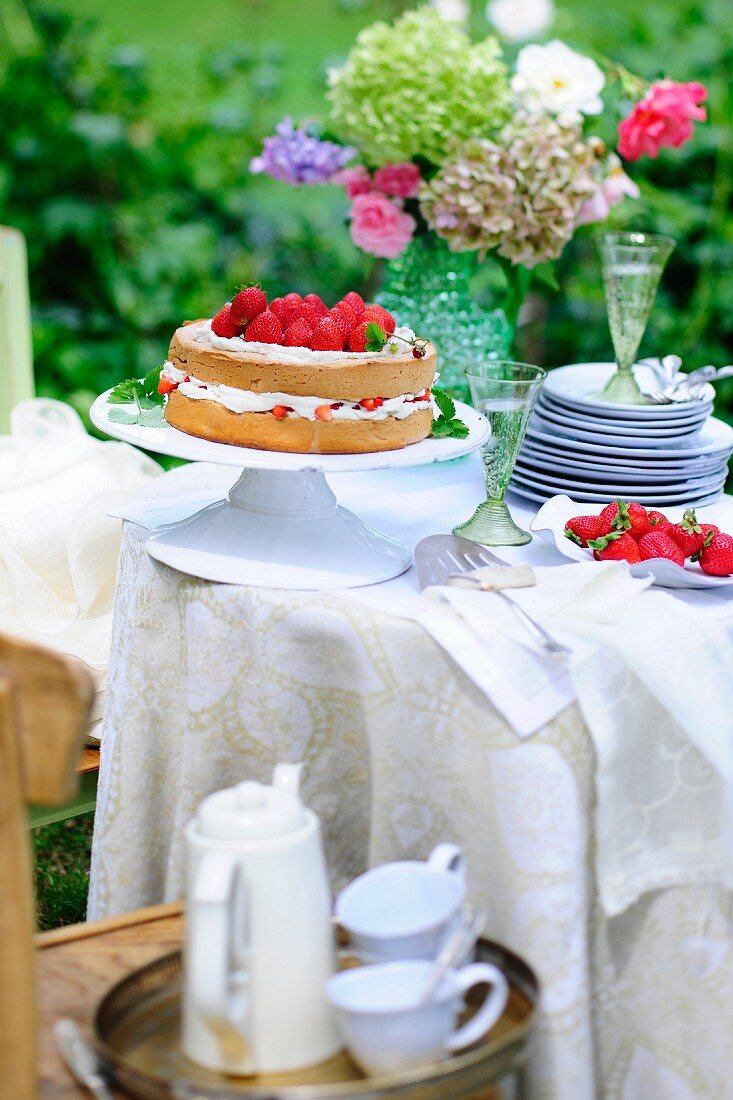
(539, 497)
(620, 425)
(619, 487)
(602, 429)
(666, 414)
(579, 463)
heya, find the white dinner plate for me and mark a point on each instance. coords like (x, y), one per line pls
(579, 384)
(645, 470)
(716, 437)
(651, 414)
(549, 524)
(619, 424)
(622, 487)
(605, 428)
(525, 464)
(531, 494)
(586, 435)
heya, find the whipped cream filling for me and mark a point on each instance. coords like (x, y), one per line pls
(248, 401)
(278, 354)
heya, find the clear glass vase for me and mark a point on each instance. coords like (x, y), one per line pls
(428, 288)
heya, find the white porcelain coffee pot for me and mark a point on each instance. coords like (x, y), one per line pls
(259, 943)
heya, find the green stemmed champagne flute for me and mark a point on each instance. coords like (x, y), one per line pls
(505, 392)
(632, 265)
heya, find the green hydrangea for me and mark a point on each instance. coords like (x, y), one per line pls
(408, 89)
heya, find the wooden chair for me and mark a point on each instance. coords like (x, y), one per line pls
(16, 349)
(17, 384)
(45, 699)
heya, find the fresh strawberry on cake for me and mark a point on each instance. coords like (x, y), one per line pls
(296, 375)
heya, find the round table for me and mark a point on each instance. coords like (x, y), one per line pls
(210, 684)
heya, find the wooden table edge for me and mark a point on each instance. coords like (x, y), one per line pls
(137, 917)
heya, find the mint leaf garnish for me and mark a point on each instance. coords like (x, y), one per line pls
(144, 391)
(375, 337)
(447, 424)
(146, 418)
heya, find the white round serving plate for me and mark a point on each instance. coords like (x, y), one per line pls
(281, 526)
(549, 524)
(569, 430)
(714, 438)
(579, 384)
(602, 424)
(542, 497)
(643, 471)
(619, 484)
(602, 494)
(672, 414)
(553, 484)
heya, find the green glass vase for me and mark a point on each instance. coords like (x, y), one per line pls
(428, 288)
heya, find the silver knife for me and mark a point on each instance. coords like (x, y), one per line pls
(80, 1058)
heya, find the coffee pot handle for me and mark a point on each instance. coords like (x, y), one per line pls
(217, 950)
(448, 857)
(490, 1010)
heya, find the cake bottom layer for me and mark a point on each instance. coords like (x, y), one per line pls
(212, 421)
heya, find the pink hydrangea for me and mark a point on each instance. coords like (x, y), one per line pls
(356, 180)
(401, 180)
(379, 226)
(664, 117)
(616, 186)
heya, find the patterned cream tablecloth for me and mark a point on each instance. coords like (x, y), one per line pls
(210, 684)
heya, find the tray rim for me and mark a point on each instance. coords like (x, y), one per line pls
(522, 977)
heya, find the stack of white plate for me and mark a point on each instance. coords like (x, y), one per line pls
(592, 451)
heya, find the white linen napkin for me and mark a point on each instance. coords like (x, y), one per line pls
(654, 679)
(58, 546)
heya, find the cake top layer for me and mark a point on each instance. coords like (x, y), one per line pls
(397, 349)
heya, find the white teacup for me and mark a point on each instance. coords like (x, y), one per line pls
(404, 910)
(387, 1030)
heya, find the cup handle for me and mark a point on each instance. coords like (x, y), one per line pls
(448, 857)
(218, 943)
(490, 1010)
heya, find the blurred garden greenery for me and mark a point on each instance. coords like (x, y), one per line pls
(126, 136)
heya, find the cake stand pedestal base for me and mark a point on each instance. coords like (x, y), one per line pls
(280, 529)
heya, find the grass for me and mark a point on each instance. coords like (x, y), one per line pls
(62, 853)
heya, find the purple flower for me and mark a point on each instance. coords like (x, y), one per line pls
(294, 155)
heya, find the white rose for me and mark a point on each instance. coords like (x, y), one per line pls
(557, 79)
(455, 11)
(519, 19)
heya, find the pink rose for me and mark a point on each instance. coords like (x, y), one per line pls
(664, 117)
(401, 180)
(356, 180)
(379, 226)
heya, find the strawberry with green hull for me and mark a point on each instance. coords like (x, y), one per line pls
(615, 546)
(581, 529)
(716, 556)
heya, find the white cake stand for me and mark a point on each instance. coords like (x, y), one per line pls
(281, 525)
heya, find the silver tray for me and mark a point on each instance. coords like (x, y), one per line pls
(137, 1027)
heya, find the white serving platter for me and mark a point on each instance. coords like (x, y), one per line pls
(549, 524)
(281, 525)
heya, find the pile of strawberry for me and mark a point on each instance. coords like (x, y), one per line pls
(299, 322)
(628, 532)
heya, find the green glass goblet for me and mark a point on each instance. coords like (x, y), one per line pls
(505, 392)
(632, 265)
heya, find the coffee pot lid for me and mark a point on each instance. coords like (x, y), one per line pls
(255, 811)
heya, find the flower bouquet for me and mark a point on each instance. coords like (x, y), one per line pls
(447, 156)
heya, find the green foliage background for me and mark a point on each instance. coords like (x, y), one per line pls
(126, 134)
